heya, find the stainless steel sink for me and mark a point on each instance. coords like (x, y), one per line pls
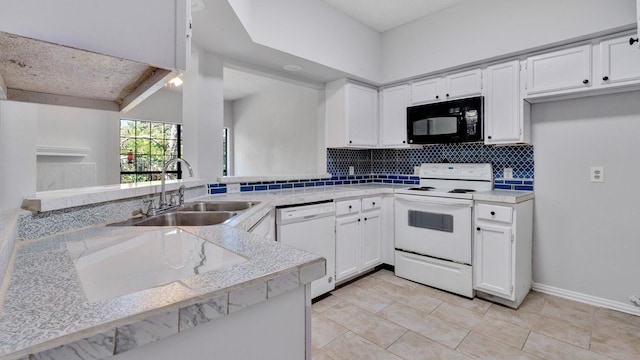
(187, 218)
(217, 206)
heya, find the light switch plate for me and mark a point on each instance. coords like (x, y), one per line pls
(351, 170)
(597, 174)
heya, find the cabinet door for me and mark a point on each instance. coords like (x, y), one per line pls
(348, 236)
(371, 239)
(619, 62)
(393, 115)
(464, 84)
(362, 115)
(493, 260)
(503, 120)
(559, 70)
(426, 91)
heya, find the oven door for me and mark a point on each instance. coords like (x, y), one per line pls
(434, 226)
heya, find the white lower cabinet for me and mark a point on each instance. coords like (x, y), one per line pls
(358, 236)
(502, 251)
(348, 234)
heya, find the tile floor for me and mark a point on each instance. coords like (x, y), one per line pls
(382, 316)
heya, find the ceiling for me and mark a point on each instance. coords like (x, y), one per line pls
(383, 15)
(217, 29)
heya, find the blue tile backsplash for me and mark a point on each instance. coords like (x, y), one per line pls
(402, 161)
(395, 166)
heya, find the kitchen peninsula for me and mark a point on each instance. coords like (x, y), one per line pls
(45, 308)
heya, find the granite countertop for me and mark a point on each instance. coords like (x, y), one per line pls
(43, 305)
(504, 196)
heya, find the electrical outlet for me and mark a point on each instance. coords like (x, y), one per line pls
(597, 174)
(351, 170)
(508, 173)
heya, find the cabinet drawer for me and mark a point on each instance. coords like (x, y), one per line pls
(347, 207)
(371, 203)
(494, 213)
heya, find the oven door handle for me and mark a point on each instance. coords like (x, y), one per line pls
(434, 200)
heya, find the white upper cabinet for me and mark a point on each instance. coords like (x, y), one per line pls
(566, 69)
(638, 22)
(602, 66)
(464, 84)
(351, 115)
(426, 91)
(619, 62)
(453, 86)
(506, 114)
(393, 115)
(156, 33)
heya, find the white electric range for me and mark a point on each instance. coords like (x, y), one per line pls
(433, 231)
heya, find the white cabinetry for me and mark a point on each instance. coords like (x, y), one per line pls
(507, 119)
(393, 115)
(358, 236)
(604, 66)
(155, 33)
(453, 86)
(566, 69)
(351, 114)
(502, 251)
(619, 62)
(638, 22)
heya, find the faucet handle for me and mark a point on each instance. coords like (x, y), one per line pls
(175, 197)
(151, 208)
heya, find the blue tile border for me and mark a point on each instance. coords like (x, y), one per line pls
(396, 179)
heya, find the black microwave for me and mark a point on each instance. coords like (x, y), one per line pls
(453, 121)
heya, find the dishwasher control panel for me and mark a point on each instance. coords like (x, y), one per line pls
(301, 213)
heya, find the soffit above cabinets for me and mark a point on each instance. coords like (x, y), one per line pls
(42, 72)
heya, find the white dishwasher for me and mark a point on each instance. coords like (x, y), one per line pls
(311, 228)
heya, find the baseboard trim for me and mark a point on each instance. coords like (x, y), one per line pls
(587, 299)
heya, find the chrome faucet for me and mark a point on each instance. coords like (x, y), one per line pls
(163, 195)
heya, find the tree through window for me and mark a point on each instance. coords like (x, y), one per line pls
(145, 147)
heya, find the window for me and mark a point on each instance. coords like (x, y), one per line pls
(145, 147)
(225, 148)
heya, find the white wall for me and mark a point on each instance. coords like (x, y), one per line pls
(586, 237)
(64, 126)
(315, 31)
(18, 152)
(98, 130)
(276, 132)
(202, 99)
(479, 30)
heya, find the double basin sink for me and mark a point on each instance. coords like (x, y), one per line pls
(200, 213)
